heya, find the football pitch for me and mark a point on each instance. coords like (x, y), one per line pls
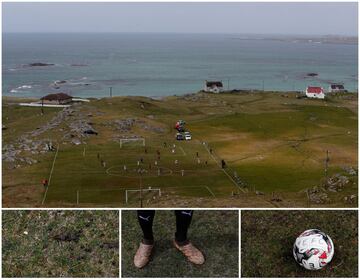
(280, 151)
(113, 174)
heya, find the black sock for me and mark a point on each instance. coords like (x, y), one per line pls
(146, 218)
(183, 220)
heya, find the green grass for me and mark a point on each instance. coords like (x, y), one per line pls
(37, 254)
(267, 239)
(75, 173)
(274, 143)
(267, 159)
(214, 232)
(287, 123)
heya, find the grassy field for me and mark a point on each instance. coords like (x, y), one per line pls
(91, 183)
(214, 232)
(267, 239)
(60, 243)
(274, 142)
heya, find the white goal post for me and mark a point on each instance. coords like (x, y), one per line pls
(127, 140)
(149, 189)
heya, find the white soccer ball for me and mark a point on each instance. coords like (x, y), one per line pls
(313, 249)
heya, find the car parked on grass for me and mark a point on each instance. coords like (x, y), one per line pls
(187, 135)
(179, 136)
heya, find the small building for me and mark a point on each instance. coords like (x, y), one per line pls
(315, 92)
(337, 88)
(56, 98)
(213, 86)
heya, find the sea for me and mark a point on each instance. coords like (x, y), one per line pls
(157, 65)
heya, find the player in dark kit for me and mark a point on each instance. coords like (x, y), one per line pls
(181, 242)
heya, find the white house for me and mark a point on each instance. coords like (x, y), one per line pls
(337, 88)
(315, 92)
(213, 86)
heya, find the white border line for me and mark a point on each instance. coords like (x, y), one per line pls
(223, 169)
(182, 150)
(51, 171)
(210, 191)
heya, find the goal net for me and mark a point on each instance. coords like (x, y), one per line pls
(146, 193)
(132, 142)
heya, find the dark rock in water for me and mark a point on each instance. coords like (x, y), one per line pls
(312, 74)
(78, 65)
(40, 64)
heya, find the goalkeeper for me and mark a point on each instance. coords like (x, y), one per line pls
(181, 242)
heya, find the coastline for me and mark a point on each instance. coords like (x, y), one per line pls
(162, 98)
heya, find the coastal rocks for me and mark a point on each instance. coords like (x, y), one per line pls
(40, 64)
(78, 65)
(57, 84)
(312, 74)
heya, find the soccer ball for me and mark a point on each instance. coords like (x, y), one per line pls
(313, 249)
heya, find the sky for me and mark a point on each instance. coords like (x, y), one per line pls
(246, 18)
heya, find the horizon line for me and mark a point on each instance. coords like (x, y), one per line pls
(175, 32)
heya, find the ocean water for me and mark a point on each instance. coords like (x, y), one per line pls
(168, 64)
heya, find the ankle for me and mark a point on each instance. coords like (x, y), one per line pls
(182, 242)
(148, 241)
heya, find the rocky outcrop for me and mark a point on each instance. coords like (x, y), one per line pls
(317, 195)
(337, 182)
(123, 125)
(126, 125)
(73, 124)
(312, 74)
(350, 170)
(144, 125)
(40, 64)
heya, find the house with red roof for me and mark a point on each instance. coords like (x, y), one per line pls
(315, 92)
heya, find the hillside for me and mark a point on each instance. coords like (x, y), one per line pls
(274, 144)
